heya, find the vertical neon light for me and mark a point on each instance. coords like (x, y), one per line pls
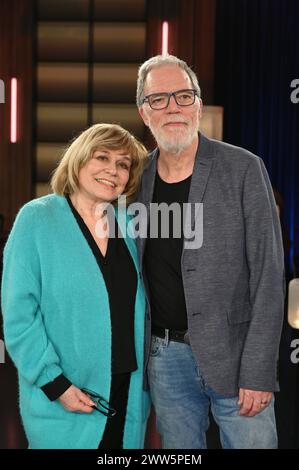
(165, 37)
(13, 110)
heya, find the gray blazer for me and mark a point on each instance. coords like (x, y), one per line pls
(233, 283)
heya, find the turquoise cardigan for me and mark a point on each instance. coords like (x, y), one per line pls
(57, 320)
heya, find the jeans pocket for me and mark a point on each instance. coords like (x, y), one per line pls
(156, 346)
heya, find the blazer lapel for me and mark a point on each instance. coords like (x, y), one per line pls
(148, 181)
(201, 172)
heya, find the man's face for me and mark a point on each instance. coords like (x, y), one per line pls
(174, 127)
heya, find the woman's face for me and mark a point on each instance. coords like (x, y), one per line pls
(104, 177)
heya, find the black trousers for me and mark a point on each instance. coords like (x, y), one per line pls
(114, 429)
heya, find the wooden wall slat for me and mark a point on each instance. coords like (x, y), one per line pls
(68, 82)
(114, 82)
(119, 42)
(119, 10)
(62, 10)
(104, 10)
(124, 114)
(48, 154)
(59, 122)
(62, 81)
(62, 41)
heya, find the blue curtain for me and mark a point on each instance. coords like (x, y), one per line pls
(257, 57)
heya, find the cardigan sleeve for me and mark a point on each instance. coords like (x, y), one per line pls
(24, 333)
(56, 388)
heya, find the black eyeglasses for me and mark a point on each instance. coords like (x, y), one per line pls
(101, 404)
(161, 100)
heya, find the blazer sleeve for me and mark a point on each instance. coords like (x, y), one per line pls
(24, 332)
(265, 260)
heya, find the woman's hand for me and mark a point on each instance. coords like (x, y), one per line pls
(73, 399)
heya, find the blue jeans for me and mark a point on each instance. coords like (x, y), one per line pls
(182, 399)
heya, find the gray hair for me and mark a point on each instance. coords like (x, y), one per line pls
(159, 61)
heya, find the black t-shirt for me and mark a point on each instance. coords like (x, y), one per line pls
(163, 261)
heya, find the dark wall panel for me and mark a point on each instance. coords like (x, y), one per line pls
(16, 56)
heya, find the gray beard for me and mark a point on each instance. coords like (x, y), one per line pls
(177, 144)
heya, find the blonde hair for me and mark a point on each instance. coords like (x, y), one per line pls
(65, 180)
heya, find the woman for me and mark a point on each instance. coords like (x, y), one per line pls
(73, 302)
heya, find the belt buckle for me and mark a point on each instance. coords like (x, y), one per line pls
(166, 337)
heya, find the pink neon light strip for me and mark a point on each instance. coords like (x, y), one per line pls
(13, 110)
(165, 37)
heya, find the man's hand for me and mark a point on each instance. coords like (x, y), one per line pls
(253, 402)
(76, 401)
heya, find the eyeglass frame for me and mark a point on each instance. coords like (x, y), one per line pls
(100, 401)
(169, 95)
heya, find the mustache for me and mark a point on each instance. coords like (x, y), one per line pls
(174, 120)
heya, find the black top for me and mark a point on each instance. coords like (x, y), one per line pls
(163, 261)
(120, 277)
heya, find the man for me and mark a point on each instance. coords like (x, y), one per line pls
(216, 306)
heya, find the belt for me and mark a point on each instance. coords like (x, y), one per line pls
(173, 335)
